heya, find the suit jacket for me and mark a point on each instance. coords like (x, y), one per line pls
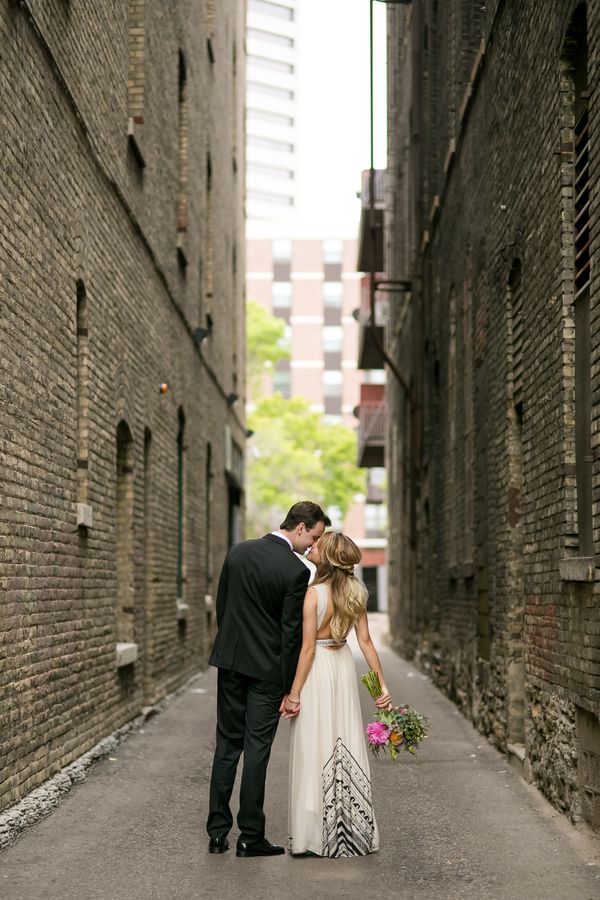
(259, 611)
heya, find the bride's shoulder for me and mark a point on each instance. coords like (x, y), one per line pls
(322, 592)
(311, 598)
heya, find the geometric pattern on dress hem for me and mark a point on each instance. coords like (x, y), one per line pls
(348, 817)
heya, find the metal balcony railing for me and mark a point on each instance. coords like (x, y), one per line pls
(370, 343)
(371, 434)
(381, 303)
(378, 188)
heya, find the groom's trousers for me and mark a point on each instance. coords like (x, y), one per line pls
(247, 719)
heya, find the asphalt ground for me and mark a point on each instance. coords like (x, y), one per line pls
(455, 821)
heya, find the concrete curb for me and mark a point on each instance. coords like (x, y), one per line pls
(43, 800)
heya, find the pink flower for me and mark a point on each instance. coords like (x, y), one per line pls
(378, 733)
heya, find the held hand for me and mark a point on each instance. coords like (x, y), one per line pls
(385, 700)
(289, 708)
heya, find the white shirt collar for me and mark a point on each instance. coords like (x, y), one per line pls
(310, 566)
(280, 535)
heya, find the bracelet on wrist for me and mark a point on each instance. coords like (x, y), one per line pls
(291, 699)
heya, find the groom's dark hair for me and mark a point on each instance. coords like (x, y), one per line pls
(307, 512)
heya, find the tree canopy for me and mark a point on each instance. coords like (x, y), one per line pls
(295, 455)
(265, 345)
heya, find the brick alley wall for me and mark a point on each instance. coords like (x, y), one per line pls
(491, 587)
(102, 288)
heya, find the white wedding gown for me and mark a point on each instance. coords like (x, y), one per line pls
(330, 805)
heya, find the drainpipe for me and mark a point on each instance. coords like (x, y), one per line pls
(373, 284)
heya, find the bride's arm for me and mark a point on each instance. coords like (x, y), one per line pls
(372, 659)
(291, 703)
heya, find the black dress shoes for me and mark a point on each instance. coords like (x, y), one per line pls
(218, 845)
(259, 848)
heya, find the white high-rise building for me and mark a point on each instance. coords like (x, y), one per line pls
(307, 108)
(271, 118)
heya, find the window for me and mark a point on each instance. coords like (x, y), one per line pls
(83, 394)
(209, 249)
(375, 519)
(377, 477)
(270, 90)
(333, 410)
(468, 429)
(263, 115)
(376, 485)
(332, 271)
(255, 140)
(274, 65)
(374, 376)
(582, 262)
(270, 197)
(277, 10)
(332, 294)
(281, 294)
(259, 34)
(135, 72)
(234, 103)
(332, 251)
(575, 68)
(282, 251)
(148, 533)
(332, 383)
(182, 205)
(332, 338)
(180, 506)
(282, 382)
(451, 437)
(124, 547)
(270, 171)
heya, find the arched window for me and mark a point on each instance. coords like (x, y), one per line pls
(183, 137)
(124, 534)
(83, 395)
(181, 508)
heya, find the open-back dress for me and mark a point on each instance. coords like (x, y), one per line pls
(330, 805)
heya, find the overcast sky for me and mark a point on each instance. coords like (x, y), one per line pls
(333, 111)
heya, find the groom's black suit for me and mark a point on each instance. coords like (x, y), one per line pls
(259, 616)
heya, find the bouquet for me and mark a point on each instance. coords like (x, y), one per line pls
(395, 728)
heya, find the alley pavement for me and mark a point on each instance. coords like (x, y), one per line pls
(455, 821)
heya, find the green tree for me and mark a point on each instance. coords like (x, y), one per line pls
(265, 345)
(294, 455)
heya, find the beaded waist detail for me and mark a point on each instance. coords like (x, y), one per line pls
(329, 642)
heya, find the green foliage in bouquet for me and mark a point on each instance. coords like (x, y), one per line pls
(394, 729)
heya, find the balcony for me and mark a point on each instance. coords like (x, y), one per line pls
(371, 426)
(369, 344)
(370, 241)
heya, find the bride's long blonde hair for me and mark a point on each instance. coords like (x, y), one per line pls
(339, 554)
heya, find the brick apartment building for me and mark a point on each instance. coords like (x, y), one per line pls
(493, 437)
(122, 259)
(314, 287)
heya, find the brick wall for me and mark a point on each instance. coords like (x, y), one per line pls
(488, 588)
(99, 298)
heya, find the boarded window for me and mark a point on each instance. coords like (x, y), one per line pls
(135, 73)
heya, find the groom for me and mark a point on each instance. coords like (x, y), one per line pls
(259, 616)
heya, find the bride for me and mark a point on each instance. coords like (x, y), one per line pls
(330, 805)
